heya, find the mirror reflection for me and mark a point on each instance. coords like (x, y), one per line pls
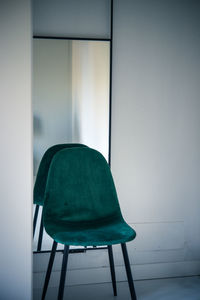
(70, 98)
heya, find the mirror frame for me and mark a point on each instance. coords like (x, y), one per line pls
(110, 39)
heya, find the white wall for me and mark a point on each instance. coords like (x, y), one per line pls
(16, 150)
(71, 18)
(155, 127)
(155, 138)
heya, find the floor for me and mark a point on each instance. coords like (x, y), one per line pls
(160, 289)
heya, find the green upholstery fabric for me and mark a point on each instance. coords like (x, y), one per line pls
(81, 205)
(40, 183)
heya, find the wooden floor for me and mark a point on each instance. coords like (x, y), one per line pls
(187, 288)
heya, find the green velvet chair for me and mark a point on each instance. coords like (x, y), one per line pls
(81, 208)
(40, 184)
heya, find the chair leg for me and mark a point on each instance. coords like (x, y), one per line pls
(50, 265)
(39, 246)
(128, 271)
(35, 218)
(112, 269)
(63, 273)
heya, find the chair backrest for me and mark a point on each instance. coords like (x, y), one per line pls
(80, 188)
(41, 178)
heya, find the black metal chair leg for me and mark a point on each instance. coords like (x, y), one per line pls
(50, 265)
(39, 246)
(128, 272)
(112, 269)
(35, 218)
(63, 273)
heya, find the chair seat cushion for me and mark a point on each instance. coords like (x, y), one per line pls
(107, 233)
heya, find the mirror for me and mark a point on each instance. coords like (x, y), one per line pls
(70, 98)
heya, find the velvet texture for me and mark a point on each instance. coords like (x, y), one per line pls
(41, 179)
(81, 205)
